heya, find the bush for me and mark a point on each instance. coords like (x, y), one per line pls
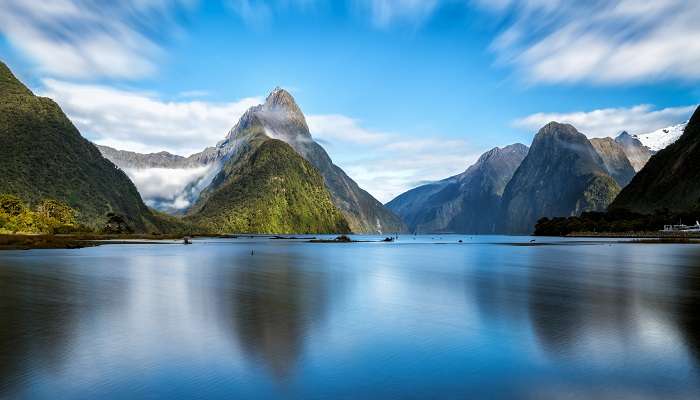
(50, 216)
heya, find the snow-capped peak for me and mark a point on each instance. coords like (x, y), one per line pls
(661, 138)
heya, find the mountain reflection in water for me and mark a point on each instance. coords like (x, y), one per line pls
(257, 318)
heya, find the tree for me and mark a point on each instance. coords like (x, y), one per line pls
(11, 205)
(56, 210)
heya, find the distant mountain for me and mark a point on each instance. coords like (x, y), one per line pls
(268, 188)
(637, 153)
(561, 175)
(671, 178)
(129, 159)
(614, 159)
(465, 203)
(661, 138)
(42, 155)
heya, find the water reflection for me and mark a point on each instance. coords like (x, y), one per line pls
(364, 320)
(271, 303)
(688, 308)
(34, 328)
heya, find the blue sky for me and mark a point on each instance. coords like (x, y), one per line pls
(399, 92)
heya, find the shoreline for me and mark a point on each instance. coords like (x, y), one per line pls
(79, 241)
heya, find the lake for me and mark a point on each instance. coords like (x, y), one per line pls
(423, 317)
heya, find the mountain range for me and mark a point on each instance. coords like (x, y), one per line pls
(278, 118)
(269, 175)
(562, 174)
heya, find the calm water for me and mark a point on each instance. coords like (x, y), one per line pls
(412, 319)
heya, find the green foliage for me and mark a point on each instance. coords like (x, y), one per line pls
(614, 221)
(42, 155)
(57, 210)
(11, 205)
(50, 216)
(269, 189)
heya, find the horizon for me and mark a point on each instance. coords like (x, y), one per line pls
(426, 87)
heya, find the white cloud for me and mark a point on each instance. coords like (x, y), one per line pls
(170, 188)
(89, 38)
(142, 122)
(603, 42)
(340, 128)
(384, 163)
(387, 164)
(608, 122)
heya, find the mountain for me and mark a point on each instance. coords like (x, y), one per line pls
(637, 153)
(268, 188)
(561, 175)
(465, 203)
(671, 178)
(614, 159)
(129, 159)
(281, 118)
(42, 155)
(661, 138)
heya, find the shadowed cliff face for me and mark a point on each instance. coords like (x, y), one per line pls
(465, 203)
(671, 178)
(281, 118)
(562, 175)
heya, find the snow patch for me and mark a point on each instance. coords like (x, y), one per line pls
(661, 138)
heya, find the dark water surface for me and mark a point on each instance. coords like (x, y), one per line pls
(411, 319)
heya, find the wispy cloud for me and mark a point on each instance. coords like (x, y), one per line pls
(600, 41)
(387, 164)
(384, 13)
(142, 122)
(90, 38)
(608, 122)
(260, 13)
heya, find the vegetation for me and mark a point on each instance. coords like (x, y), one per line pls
(269, 189)
(614, 221)
(49, 216)
(42, 155)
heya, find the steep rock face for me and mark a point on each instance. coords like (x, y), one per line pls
(465, 203)
(562, 175)
(671, 178)
(637, 153)
(42, 155)
(281, 118)
(614, 159)
(268, 188)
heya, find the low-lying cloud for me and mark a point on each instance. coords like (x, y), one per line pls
(173, 189)
(608, 122)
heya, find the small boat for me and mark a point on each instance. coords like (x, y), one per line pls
(187, 240)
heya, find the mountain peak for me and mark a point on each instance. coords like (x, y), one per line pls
(280, 98)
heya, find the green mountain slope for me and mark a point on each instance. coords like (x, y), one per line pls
(670, 179)
(42, 155)
(268, 188)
